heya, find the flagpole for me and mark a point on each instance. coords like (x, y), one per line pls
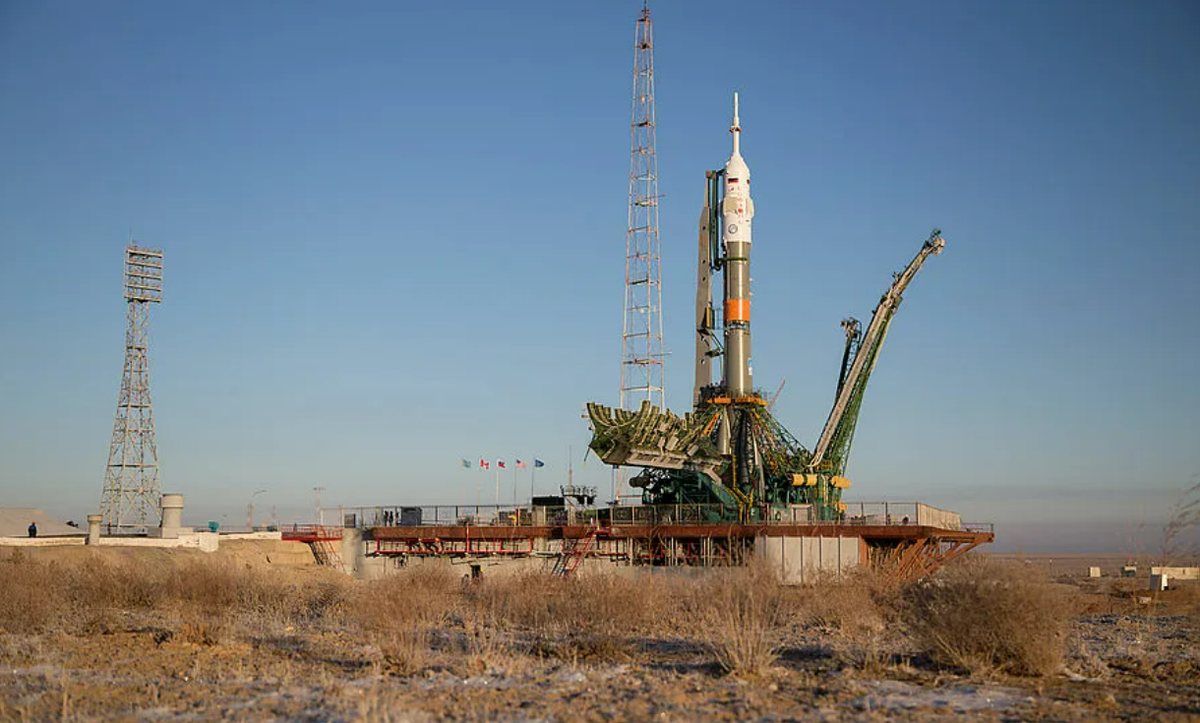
(515, 468)
(532, 475)
(497, 485)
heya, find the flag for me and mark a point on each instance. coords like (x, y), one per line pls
(538, 463)
(466, 464)
(483, 463)
(520, 464)
(500, 463)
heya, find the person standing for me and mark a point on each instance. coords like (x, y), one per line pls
(33, 529)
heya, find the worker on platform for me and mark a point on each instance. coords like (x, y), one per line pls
(33, 529)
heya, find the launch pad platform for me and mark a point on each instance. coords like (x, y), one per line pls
(903, 540)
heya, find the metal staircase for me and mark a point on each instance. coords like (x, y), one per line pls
(328, 553)
(573, 552)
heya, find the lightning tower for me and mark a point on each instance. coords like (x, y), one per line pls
(131, 487)
(642, 336)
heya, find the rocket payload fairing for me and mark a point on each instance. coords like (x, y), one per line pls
(737, 214)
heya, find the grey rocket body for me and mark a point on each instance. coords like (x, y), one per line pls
(737, 218)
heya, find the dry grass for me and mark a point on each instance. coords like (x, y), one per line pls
(743, 615)
(203, 593)
(985, 616)
(859, 605)
(575, 619)
(975, 615)
(402, 612)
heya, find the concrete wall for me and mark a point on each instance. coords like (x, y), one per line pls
(804, 559)
(1177, 573)
(41, 541)
(943, 519)
(203, 541)
(494, 567)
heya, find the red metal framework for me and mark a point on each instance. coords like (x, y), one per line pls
(915, 558)
(311, 533)
(905, 551)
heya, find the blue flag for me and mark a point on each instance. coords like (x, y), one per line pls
(538, 463)
(466, 464)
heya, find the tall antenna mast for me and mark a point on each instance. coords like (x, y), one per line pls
(131, 488)
(642, 337)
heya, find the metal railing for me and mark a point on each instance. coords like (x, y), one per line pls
(855, 513)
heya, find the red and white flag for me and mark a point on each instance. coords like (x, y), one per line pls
(483, 463)
(520, 464)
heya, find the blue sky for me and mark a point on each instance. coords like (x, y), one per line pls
(394, 238)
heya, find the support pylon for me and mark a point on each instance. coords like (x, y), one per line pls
(132, 492)
(642, 337)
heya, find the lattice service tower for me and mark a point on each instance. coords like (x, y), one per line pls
(642, 337)
(131, 486)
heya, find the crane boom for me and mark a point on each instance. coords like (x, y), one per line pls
(839, 428)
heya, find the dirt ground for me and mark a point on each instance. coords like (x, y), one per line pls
(1125, 661)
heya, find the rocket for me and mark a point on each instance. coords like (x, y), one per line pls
(737, 214)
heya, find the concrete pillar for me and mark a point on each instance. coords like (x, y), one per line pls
(172, 505)
(352, 550)
(172, 511)
(94, 521)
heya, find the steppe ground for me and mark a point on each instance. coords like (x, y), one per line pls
(104, 634)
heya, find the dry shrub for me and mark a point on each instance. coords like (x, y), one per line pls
(484, 642)
(982, 616)
(401, 612)
(587, 621)
(251, 598)
(859, 605)
(525, 601)
(211, 630)
(588, 617)
(47, 595)
(744, 610)
(28, 600)
(102, 585)
(420, 595)
(1184, 598)
(88, 597)
(496, 609)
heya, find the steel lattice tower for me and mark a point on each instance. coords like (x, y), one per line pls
(642, 337)
(131, 486)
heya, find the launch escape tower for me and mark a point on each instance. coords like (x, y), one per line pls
(131, 486)
(642, 334)
(729, 453)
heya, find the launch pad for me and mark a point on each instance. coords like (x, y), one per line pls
(903, 539)
(718, 484)
(730, 456)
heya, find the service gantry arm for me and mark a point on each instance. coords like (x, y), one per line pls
(833, 448)
(708, 344)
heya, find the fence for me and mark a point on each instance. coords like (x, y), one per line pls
(856, 513)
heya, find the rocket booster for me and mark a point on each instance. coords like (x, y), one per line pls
(737, 214)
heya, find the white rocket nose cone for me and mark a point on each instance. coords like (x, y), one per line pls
(735, 167)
